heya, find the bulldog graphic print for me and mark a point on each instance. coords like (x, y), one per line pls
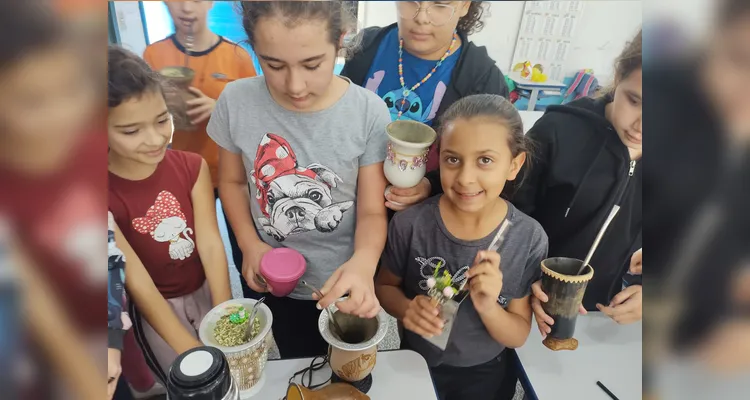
(294, 199)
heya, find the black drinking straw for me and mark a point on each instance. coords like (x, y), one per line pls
(604, 388)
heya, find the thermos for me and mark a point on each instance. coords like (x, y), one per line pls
(201, 373)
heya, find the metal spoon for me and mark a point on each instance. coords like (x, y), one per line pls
(249, 331)
(336, 326)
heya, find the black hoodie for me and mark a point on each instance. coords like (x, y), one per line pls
(474, 73)
(580, 170)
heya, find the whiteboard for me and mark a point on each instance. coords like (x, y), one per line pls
(546, 34)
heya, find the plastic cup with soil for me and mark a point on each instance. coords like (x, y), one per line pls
(180, 79)
(565, 289)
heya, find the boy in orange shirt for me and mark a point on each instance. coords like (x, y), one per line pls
(216, 62)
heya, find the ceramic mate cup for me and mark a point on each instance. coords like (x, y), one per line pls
(406, 154)
(180, 80)
(565, 289)
(282, 268)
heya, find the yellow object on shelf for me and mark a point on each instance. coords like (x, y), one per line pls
(526, 71)
(538, 76)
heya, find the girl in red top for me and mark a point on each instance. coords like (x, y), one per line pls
(163, 204)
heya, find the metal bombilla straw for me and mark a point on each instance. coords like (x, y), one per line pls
(189, 42)
(598, 239)
(253, 312)
(497, 241)
(336, 326)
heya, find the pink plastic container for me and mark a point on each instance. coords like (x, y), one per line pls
(282, 268)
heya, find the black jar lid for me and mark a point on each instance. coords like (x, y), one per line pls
(201, 373)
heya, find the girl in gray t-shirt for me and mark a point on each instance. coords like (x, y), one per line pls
(310, 145)
(482, 147)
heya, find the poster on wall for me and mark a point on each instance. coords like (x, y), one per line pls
(546, 34)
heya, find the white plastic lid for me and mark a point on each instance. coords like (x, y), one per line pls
(196, 363)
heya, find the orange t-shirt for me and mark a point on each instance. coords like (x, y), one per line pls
(214, 68)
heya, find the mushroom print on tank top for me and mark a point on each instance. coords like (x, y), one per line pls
(166, 223)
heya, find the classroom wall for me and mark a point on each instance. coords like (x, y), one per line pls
(130, 25)
(605, 27)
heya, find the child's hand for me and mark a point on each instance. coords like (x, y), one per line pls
(485, 280)
(422, 317)
(626, 307)
(114, 369)
(636, 262)
(354, 278)
(401, 199)
(544, 321)
(200, 108)
(251, 265)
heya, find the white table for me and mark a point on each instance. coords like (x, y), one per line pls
(535, 87)
(607, 352)
(529, 118)
(398, 375)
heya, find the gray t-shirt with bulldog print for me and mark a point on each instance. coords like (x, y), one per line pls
(303, 168)
(418, 241)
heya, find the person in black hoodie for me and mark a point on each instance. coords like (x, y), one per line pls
(438, 62)
(590, 152)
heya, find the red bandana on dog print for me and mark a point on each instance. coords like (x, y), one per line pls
(275, 158)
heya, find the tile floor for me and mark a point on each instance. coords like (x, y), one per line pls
(391, 340)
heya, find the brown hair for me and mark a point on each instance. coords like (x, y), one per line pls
(472, 22)
(336, 13)
(129, 76)
(498, 108)
(731, 10)
(630, 60)
(32, 25)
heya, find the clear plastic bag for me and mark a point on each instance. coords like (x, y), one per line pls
(448, 311)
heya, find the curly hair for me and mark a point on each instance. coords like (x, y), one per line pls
(472, 22)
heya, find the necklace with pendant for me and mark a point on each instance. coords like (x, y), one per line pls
(405, 92)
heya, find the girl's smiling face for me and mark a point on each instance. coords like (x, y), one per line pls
(140, 128)
(297, 60)
(476, 161)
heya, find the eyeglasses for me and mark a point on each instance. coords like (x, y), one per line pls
(438, 14)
